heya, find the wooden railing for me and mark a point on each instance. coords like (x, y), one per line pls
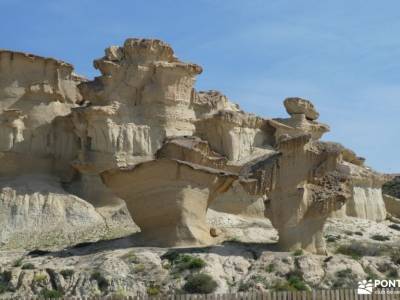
(339, 294)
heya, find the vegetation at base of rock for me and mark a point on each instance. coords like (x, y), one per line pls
(3, 288)
(295, 281)
(187, 262)
(102, 282)
(153, 290)
(6, 276)
(200, 284)
(181, 262)
(298, 252)
(380, 237)
(251, 283)
(40, 277)
(67, 273)
(50, 294)
(28, 266)
(348, 250)
(393, 273)
(131, 257)
(120, 294)
(139, 268)
(270, 268)
(332, 238)
(395, 256)
(356, 250)
(370, 274)
(344, 279)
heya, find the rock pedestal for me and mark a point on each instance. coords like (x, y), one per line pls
(168, 199)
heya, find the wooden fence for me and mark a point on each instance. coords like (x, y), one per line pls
(340, 294)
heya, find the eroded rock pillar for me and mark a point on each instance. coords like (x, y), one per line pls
(168, 199)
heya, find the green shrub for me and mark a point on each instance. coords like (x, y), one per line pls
(6, 276)
(349, 251)
(395, 256)
(28, 266)
(344, 279)
(252, 282)
(298, 252)
(244, 286)
(283, 286)
(200, 284)
(153, 290)
(40, 277)
(393, 273)
(67, 273)
(3, 288)
(102, 282)
(189, 262)
(50, 294)
(183, 262)
(332, 238)
(379, 237)
(295, 280)
(270, 268)
(370, 274)
(357, 250)
(120, 294)
(131, 257)
(139, 268)
(171, 256)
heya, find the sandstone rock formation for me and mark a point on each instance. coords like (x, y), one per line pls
(366, 200)
(307, 187)
(391, 195)
(141, 134)
(37, 146)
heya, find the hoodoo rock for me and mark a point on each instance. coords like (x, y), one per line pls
(307, 187)
(139, 140)
(296, 106)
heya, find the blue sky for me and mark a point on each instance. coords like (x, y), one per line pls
(343, 55)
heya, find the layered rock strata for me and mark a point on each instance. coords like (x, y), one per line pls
(141, 134)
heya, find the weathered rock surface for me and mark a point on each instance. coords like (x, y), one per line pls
(115, 268)
(301, 199)
(141, 134)
(392, 186)
(36, 212)
(366, 201)
(37, 146)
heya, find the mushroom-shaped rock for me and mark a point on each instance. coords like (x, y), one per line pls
(144, 94)
(296, 105)
(168, 199)
(302, 120)
(305, 188)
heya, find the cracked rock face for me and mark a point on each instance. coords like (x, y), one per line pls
(141, 134)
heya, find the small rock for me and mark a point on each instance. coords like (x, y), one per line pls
(295, 105)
